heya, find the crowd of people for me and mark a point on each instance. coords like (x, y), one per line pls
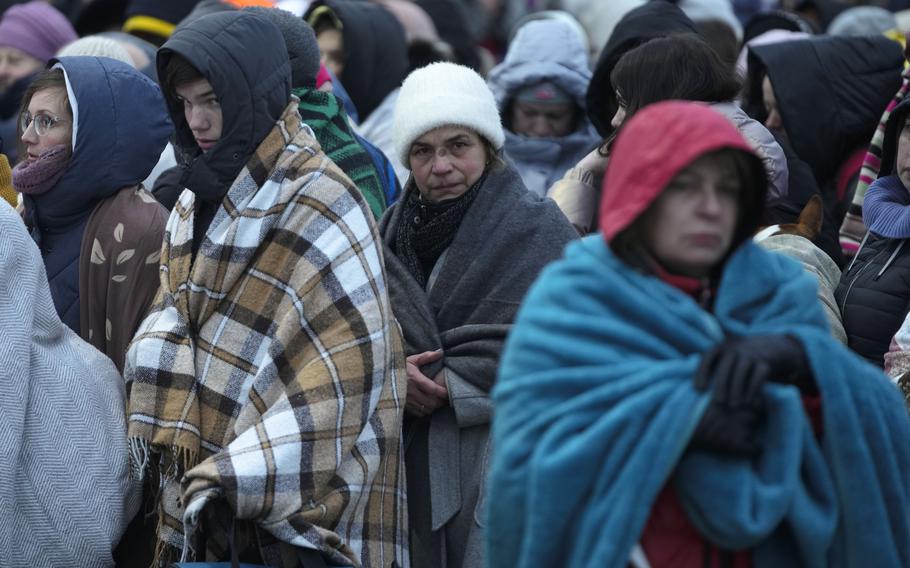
(454, 283)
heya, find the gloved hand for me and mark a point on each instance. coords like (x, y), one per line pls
(738, 369)
(783, 356)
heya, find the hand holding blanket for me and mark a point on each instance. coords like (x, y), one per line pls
(595, 407)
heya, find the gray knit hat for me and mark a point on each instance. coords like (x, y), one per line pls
(303, 51)
(97, 46)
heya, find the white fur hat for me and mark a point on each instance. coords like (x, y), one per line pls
(443, 94)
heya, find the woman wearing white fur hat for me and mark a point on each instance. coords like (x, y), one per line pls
(463, 245)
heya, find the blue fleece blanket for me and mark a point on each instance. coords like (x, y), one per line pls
(595, 408)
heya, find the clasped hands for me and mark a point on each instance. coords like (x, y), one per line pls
(738, 368)
(425, 395)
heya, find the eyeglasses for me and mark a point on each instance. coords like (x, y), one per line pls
(44, 123)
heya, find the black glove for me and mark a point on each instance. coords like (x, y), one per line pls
(729, 423)
(739, 368)
(782, 354)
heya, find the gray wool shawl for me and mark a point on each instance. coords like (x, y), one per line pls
(66, 495)
(506, 238)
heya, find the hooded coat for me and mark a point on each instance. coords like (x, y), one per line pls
(375, 52)
(120, 127)
(652, 20)
(830, 92)
(595, 403)
(545, 50)
(253, 89)
(873, 294)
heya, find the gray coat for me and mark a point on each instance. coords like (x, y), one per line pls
(545, 50)
(467, 308)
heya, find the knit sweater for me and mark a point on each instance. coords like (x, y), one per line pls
(323, 113)
(7, 192)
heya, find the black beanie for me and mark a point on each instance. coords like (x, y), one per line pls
(303, 50)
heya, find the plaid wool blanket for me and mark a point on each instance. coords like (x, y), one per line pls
(270, 374)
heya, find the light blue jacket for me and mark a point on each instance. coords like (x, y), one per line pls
(545, 50)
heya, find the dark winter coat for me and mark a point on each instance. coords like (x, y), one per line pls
(375, 51)
(121, 128)
(652, 20)
(253, 88)
(874, 292)
(830, 92)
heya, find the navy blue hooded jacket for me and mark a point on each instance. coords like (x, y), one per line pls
(120, 127)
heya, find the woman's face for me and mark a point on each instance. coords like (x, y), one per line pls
(47, 111)
(690, 227)
(542, 120)
(620, 115)
(446, 162)
(773, 120)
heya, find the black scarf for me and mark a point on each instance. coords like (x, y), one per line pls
(427, 229)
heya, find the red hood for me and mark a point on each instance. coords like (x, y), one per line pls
(653, 146)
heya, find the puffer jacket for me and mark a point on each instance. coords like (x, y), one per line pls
(121, 128)
(874, 295)
(874, 291)
(545, 50)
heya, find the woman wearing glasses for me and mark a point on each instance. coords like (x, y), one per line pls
(91, 129)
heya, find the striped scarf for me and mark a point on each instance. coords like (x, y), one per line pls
(853, 229)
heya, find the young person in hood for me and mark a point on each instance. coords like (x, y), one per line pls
(267, 382)
(540, 90)
(98, 229)
(681, 67)
(670, 394)
(873, 294)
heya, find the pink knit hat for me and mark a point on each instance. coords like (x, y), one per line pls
(37, 28)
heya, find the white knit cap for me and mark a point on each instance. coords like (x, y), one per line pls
(97, 46)
(443, 94)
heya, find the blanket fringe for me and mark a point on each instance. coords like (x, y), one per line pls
(139, 458)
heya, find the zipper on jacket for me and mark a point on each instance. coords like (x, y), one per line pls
(897, 249)
(843, 306)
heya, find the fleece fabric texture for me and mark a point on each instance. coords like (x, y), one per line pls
(595, 409)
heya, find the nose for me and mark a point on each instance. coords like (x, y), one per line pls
(198, 120)
(29, 136)
(540, 127)
(710, 204)
(442, 163)
(773, 122)
(618, 118)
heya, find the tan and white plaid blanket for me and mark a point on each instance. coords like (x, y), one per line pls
(270, 373)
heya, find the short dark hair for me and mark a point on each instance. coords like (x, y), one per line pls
(179, 71)
(682, 67)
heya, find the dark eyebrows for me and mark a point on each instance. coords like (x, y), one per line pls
(458, 138)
